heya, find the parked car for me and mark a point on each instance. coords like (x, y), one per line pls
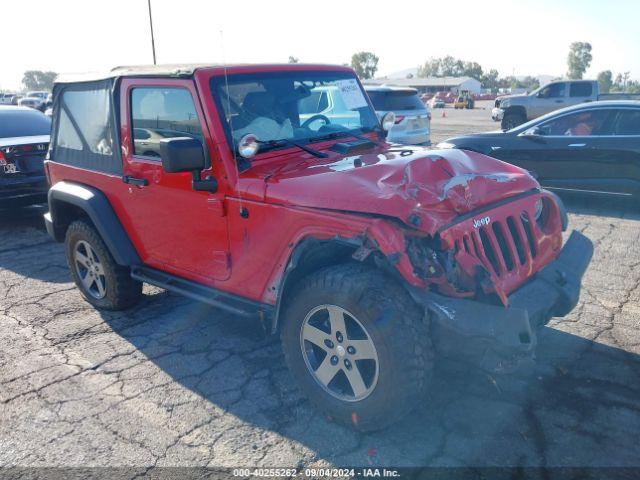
(437, 102)
(6, 98)
(24, 140)
(31, 102)
(413, 119)
(146, 141)
(514, 110)
(366, 257)
(590, 148)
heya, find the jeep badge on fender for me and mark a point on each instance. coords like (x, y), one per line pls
(272, 205)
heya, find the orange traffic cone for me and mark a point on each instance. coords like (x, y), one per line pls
(443, 114)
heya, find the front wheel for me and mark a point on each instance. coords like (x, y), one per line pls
(512, 120)
(358, 345)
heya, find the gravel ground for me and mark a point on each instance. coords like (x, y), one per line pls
(176, 383)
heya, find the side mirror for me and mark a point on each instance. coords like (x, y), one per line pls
(185, 154)
(181, 154)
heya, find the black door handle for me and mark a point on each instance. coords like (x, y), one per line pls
(140, 182)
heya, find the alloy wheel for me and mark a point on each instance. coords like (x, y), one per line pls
(90, 270)
(339, 353)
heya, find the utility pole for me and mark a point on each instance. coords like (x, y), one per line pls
(153, 43)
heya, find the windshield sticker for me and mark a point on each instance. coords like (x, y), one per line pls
(351, 93)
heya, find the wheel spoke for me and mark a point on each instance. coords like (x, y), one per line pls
(315, 336)
(336, 318)
(82, 259)
(326, 371)
(364, 350)
(87, 281)
(355, 380)
(91, 254)
(99, 281)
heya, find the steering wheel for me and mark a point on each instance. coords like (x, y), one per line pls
(313, 118)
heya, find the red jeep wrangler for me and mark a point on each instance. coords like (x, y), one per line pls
(270, 191)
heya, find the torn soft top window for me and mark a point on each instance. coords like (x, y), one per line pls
(85, 133)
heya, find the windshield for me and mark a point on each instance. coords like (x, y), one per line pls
(23, 123)
(302, 106)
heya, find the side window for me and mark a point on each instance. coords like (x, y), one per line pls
(555, 90)
(161, 112)
(67, 136)
(90, 110)
(579, 124)
(627, 123)
(580, 89)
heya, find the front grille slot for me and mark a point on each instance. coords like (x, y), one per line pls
(518, 240)
(489, 252)
(502, 243)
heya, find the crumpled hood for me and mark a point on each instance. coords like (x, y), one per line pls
(423, 188)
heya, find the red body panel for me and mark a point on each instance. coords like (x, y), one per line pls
(383, 194)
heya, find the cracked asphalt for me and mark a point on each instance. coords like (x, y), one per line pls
(176, 383)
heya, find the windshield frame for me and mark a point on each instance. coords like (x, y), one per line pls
(216, 82)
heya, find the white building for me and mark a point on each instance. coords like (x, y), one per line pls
(431, 84)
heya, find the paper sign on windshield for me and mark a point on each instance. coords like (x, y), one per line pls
(351, 93)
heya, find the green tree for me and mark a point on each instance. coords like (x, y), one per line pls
(365, 64)
(490, 80)
(579, 59)
(38, 80)
(450, 67)
(293, 59)
(605, 81)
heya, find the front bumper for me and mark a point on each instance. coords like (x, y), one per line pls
(497, 114)
(496, 337)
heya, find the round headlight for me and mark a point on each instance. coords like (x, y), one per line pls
(543, 211)
(388, 121)
(539, 207)
(248, 146)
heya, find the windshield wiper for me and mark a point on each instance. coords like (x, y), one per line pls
(341, 134)
(286, 141)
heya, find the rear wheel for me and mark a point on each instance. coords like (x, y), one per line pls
(512, 120)
(358, 345)
(102, 282)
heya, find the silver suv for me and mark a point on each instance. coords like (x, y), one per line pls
(413, 119)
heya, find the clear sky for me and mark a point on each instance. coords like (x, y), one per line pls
(515, 37)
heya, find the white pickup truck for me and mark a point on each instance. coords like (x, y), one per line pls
(514, 110)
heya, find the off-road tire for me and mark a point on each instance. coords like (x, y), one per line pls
(122, 291)
(512, 120)
(398, 328)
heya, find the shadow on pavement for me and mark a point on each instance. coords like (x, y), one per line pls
(579, 407)
(23, 239)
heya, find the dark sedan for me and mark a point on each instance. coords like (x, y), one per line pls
(24, 140)
(590, 148)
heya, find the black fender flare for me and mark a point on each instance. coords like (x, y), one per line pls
(96, 206)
